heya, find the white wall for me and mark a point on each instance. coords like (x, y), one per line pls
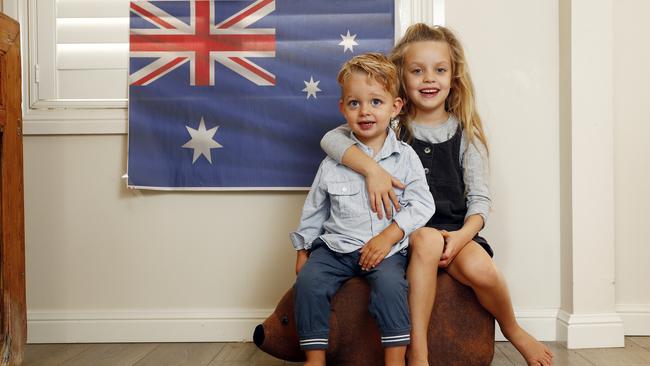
(512, 51)
(632, 162)
(92, 246)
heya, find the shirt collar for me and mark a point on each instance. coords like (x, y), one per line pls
(390, 147)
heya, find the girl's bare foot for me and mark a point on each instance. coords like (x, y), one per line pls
(535, 352)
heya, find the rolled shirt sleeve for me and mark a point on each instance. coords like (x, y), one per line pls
(336, 142)
(417, 203)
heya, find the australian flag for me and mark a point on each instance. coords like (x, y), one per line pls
(237, 94)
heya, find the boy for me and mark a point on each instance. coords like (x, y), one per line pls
(344, 238)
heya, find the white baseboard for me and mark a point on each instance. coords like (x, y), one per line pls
(636, 318)
(540, 323)
(590, 330)
(197, 326)
(154, 326)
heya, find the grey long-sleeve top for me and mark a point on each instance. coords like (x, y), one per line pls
(473, 159)
(337, 208)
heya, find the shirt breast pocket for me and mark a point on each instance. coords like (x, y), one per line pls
(346, 198)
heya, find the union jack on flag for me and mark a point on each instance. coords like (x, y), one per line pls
(202, 42)
(236, 94)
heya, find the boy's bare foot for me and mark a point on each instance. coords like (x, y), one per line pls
(535, 352)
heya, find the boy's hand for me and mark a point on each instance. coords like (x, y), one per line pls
(374, 252)
(301, 259)
(454, 242)
(380, 191)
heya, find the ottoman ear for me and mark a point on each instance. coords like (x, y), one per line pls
(278, 336)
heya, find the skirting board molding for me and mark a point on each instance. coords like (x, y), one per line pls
(636, 318)
(141, 326)
(198, 326)
(590, 330)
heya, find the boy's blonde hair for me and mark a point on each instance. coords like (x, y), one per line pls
(460, 102)
(377, 66)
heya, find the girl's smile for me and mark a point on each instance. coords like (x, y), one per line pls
(429, 92)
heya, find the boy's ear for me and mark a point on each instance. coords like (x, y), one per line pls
(341, 105)
(398, 103)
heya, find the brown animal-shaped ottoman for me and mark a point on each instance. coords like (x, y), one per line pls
(461, 332)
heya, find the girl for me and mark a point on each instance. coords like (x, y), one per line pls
(441, 123)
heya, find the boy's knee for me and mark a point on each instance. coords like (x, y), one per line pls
(394, 287)
(307, 282)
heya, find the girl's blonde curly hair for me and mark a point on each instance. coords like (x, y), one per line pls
(460, 102)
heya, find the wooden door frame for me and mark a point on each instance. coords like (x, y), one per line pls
(13, 322)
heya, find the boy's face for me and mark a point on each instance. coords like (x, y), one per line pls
(367, 107)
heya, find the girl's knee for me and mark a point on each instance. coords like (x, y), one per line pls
(483, 274)
(426, 243)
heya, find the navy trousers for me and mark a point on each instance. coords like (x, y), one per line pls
(325, 272)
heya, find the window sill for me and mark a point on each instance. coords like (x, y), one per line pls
(75, 122)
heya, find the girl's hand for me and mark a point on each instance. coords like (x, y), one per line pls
(454, 242)
(301, 259)
(380, 191)
(375, 250)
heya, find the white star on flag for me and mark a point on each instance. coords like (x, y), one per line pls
(348, 42)
(311, 87)
(202, 141)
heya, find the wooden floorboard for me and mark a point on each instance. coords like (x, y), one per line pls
(635, 353)
(181, 354)
(641, 341)
(51, 354)
(235, 352)
(631, 355)
(111, 354)
(500, 358)
(510, 353)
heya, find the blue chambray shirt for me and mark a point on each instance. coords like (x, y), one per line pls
(337, 208)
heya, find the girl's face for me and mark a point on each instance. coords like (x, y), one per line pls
(427, 77)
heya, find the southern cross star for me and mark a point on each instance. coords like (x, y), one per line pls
(348, 42)
(311, 87)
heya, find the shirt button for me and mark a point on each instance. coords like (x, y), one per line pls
(426, 170)
(427, 150)
(344, 189)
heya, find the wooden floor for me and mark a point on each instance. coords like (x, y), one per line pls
(635, 353)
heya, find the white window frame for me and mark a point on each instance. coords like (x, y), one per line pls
(109, 116)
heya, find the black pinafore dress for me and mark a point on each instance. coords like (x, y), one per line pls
(445, 178)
